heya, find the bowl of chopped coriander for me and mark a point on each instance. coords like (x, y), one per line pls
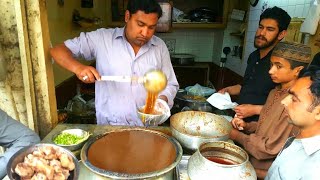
(72, 139)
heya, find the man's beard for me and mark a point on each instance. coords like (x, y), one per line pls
(139, 42)
(290, 121)
(267, 44)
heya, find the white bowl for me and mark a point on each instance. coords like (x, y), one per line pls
(77, 132)
(149, 119)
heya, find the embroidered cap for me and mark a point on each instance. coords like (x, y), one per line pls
(293, 51)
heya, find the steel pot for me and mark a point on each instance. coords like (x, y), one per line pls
(182, 59)
(182, 100)
(20, 155)
(220, 160)
(192, 128)
(97, 173)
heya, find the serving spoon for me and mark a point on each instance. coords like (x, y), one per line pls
(154, 80)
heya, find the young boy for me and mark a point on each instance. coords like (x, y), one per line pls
(264, 139)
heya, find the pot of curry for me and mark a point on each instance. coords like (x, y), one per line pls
(133, 153)
(220, 160)
(193, 102)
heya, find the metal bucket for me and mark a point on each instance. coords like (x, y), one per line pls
(163, 174)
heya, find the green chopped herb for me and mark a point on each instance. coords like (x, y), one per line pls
(67, 139)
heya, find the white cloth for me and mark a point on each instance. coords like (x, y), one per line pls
(310, 24)
(221, 101)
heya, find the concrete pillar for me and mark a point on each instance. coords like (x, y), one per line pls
(27, 91)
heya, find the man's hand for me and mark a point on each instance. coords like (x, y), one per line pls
(163, 98)
(232, 90)
(63, 56)
(238, 123)
(162, 106)
(87, 74)
(247, 110)
(224, 90)
(233, 134)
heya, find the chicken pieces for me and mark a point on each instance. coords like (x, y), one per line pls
(45, 163)
(24, 170)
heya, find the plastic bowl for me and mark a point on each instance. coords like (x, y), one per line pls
(149, 119)
(77, 132)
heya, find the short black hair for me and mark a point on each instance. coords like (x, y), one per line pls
(316, 60)
(148, 6)
(314, 73)
(278, 14)
(294, 64)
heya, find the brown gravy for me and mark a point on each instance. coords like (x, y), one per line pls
(132, 152)
(150, 103)
(220, 160)
(155, 112)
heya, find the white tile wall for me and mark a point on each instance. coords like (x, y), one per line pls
(295, 8)
(291, 10)
(299, 10)
(306, 9)
(200, 43)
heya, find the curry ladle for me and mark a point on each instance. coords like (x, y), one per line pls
(154, 80)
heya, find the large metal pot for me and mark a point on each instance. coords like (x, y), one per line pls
(163, 174)
(192, 128)
(182, 59)
(220, 160)
(195, 103)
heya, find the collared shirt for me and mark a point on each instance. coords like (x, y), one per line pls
(116, 102)
(301, 160)
(13, 136)
(257, 82)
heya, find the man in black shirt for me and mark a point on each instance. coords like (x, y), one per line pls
(257, 83)
(316, 60)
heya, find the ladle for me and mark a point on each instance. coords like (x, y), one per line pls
(154, 80)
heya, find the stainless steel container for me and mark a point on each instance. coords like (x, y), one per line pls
(97, 173)
(182, 59)
(192, 128)
(183, 100)
(200, 167)
(22, 153)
